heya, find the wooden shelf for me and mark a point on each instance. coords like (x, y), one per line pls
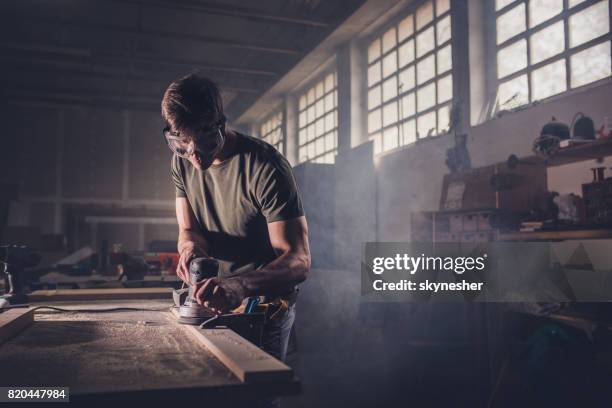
(580, 152)
(555, 235)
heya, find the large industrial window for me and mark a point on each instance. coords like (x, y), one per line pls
(546, 47)
(318, 122)
(410, 83)
(271, 131)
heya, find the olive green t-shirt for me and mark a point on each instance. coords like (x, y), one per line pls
(235, 200)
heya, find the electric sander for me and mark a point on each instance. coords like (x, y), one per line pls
(190, 312)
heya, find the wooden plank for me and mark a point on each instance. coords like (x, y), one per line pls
(13, 321)
(247, 361)
(100, 294)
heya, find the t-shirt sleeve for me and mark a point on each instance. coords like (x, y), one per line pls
(277, 192)
(177, 178)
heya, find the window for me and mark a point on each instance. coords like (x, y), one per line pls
(318, 122)
(271, 131)
(546, 47)
(410, 85)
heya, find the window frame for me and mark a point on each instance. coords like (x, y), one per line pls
(494, 82)
(280, 127)
(302, 92)
(402, 117)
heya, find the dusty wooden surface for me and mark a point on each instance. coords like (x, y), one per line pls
(110, 352)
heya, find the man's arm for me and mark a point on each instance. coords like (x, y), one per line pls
(292, 266)
(191, 242)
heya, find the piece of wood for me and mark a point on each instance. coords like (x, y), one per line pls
(13, 321)
(247, 361)
(99, 294)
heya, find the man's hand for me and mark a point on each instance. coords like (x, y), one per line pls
(187, 254)
(221, 295)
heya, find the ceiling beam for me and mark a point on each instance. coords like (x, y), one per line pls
(240, 12)
(124, 58)
(161, 34)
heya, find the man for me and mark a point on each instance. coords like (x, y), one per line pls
(236, 201)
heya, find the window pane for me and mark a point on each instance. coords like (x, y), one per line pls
(389, 40)
(319, 90)
(302, 103)
(443, 30)
(542, 10)
(329, 122)
(319, 108)
(329, 82)
(389, 88)
(426, 124)
(424, 15)
(390, 138)
(426, 97)
(591, 64)
(408, 132)
(407, 106)
(511, 23)
(444, 62)
(390, 113)
(589, 23)
(320, 127)
(374, 73)
(500, 4)
(511, 58)
(406, 28)
(374, 121)
(374, 50)
(329, 102)
(425, 42)
(513, 93)
(311, 114)
(442, 6)
(406, 53)
(548, 80)
(329, 142)
(406, 79)
(426, 69)
(390, 64)
(310, 96)
(547, 42)
(445, 89)
(374, 97)
(310, 134)
(573, 3)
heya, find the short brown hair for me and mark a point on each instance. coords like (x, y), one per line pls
(191, 102)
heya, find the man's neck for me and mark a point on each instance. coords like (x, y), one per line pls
(228, 147)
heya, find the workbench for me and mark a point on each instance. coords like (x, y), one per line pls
(137, 355)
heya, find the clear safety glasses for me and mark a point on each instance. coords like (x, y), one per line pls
(209, 141)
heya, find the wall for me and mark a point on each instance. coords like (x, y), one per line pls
(87, 157)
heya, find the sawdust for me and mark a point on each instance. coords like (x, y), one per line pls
(98, 352)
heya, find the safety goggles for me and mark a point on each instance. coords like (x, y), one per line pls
(208, 142)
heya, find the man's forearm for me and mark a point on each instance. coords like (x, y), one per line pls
(191, 239)
(278, 277)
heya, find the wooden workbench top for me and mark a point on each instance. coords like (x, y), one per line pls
(120, 352)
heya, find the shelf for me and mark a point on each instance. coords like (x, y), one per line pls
(580, 152)
(555, 235)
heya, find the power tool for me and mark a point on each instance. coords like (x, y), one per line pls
(14, 260)
(190, 312)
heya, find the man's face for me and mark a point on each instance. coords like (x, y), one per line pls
(199, 146)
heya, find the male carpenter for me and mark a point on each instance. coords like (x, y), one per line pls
(236, 201)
